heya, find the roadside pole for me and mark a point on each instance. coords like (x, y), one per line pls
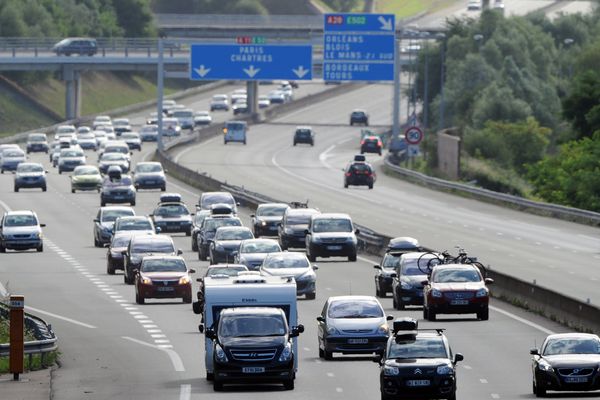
(160, 92)
(17, 343)
(396, 101)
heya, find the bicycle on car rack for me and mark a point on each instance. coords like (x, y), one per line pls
(446, 258)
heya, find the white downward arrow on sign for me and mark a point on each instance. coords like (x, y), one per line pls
(251, 71)
(300, 71)
(202, 71)
(386, 24)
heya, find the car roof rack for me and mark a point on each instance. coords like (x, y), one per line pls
(299, 204)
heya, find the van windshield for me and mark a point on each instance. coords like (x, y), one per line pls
(251, 325)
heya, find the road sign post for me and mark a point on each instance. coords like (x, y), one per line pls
(17, 344)
(359, 47)
(250, 62)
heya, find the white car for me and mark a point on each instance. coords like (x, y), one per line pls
(84, 129)
(10, 158)
(185, 118)
(171, 127)
(202, 118)
(64, 130)
(167, 105)
(87, 141)
(276, 97)
(152, 119)
(132, 139)
(239, 96)
(149, 133)
(101, 120)
(70, 158)
(100, 137)
(292, 264)
(474, 5)
(498, 5)
(219, 102)
(263, 102)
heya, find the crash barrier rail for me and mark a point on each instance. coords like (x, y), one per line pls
(546, 209)
(45, 338)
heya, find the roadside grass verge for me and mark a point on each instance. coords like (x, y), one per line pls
(409, 8)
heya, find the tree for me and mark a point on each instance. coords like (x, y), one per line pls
(582, 106)
(135, 17)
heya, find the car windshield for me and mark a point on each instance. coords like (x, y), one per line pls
(332, 225)
(355, 309)
(120, 122)
(213, 224)
(20, 220)
(278, 262)
(456, 275)
(183, 114)
(171, 210)
(390, 261)
(251, 325)
(202, 114)
(145, 168)
(30, 168)
(149, 128)
(298, 219)
(129, 135)
(71, 153)
(219, 98)
(571, 346)
(86, 171)
(233, 234)
(229, 271)
(412, 347)
(164, 265)
(303, 132)
(113, 157)
(358, 114)
(153, 246)
(259, 247)
(235, 126)
(271, 211)
(112, 215)
(83, 136)
(124, 181)
(135, 225)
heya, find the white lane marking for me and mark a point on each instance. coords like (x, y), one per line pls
(3, 292)
(482, 380)
(306, 349)
(495, 396)
(467, 366)
(185, 392)
(153, 330)
(165, 346)
(150, 326)
(175, 359)
(73, 321)
(330, 374)
(145, 321)
(339, 389)
(367, 260)
(140, 316)
(523, 320)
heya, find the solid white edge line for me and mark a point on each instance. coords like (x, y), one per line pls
(5, 206)
(175, 359)
(73, 321)
(185, 392)
(523, 320)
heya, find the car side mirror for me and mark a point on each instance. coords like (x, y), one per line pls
(165, 171)
(377, 359)
(210, 333)
(425, 282)
(376, 267)
(252, 215)
(357, 231)
(534, 352)
(179, 252)
(389, 318)
(192, 271)
(320, 319)
(42, 225)
(151, 215)
(394, 275)
(96, 220)
(315, 267)
(306, 231)
(136, 271)
(14, 172)
(488, 281)
(157, 229)
(124, 252)
(46, 171)
(458, 357)
(106, 245)
(199, 279)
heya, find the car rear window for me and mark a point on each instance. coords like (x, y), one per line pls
(233, 234)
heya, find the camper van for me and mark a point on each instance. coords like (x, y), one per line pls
(235, 131)
(228, 295)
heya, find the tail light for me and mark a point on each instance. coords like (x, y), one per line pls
(348, 174)
(362, 142)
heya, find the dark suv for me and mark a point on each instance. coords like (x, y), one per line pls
(359, 173)
(359, 117)
(418, 363)
(253, 345)
(81, 46)
(304, 134)
(292, 229)
(331, 235)
(267, 218)
(407, 284)
(206, 234)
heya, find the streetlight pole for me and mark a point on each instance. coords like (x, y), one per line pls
(568, 42)
(426, 84)
(442, 38)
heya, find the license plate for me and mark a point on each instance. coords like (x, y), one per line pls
(272, 228)
(119, 197)
(575, 379)
(418, 382)
(459, 302)
(334, 247)
(358, 341)
(150, 182)
(253, 370)
(165, 289)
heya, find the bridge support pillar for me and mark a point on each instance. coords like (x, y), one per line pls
(252, 100)
(72, 80)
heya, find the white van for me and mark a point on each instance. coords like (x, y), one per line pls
(235, 131)
(248, 289)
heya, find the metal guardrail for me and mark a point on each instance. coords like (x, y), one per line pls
(554, 210)
(46, 339)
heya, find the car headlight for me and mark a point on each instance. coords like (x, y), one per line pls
(436, 293)
(544, 366)
(220, 355)
(390, 371)
(332, 331)
(481, 293)
(184, 280)
(316, 239)
(383, 329)
(445, 369)
(36, 235)
(147, 281)
(286, 353)
(263, 223)
(405, 285)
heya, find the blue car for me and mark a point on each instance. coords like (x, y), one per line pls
(21, 230)
(30, 175)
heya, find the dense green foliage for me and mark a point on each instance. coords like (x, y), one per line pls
(293, 7)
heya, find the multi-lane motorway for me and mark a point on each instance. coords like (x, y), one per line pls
(113, 348)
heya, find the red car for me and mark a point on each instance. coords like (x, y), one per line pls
(163, 277)
(371, 144)
(456, 289)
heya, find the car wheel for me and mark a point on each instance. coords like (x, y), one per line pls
(202, 253)
(311, 258)
(345, 185)
(311, 296)
(244, 142)
(452, 396)
(224, 141)
(321, 353)
(371, 186)
(217, 386)
(2, 249)
(102, 203)
(210, 376)
(425, 313)
(289, 384)
(484, 315)
(16, 188)
(187, 299)
(59, 171)
(139, 299)
(194, 244)
(40, 249)
(72, 190)
(110, 269)
(394, 303)
(400, 305)
(188, 232)
(351, 123)
(163, 189)
(352, 257)
(132, 203)
(96, 242)
(539, 391)
(431, 315)
(328, 355)
(294, 143)
(44, 188)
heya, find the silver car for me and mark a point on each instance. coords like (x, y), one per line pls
(295, 265)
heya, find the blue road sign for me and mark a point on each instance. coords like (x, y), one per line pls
(360, 22)
(250, 62)
(359, 47)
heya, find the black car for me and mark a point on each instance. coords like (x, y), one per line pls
(37, 142)
(386, 269)
(114, 253)
(267, 218)
(149, 175)
(418, 363)
(172, 217)
(207, 231)
(208, 199)
(143, 245)
(566, 362)
(226, 243)
(292, 230)
(304, 134)
(359, 173)
(359, 117)
(371, 144)
(105, 220)
(30, 175)
(253, 345)
(196, 223)
(407, 281)
(81, 46)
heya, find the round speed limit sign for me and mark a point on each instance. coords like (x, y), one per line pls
(413, 135)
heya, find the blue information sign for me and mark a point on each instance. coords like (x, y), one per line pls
(250, 62)
(359, 47)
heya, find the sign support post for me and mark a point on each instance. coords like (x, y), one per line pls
(17, 343)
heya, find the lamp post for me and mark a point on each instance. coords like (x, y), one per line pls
(425, 35)
(567, 43)
(442, 38)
